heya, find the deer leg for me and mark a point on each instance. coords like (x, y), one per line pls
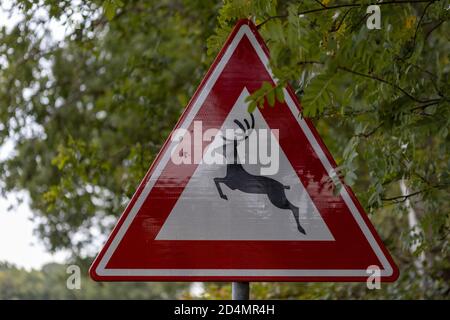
(279, 200)
(218, 181)
(294, 210)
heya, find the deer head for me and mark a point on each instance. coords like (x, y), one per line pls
(243, 132)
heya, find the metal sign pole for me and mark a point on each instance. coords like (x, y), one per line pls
(240, 290)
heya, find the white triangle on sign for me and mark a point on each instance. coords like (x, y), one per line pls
(200, 213)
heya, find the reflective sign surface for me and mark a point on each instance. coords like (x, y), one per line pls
(235, 195)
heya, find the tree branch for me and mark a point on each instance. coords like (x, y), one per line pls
(342, 21)
(417, 67)
(423, 107)
(434, 28)
(335, 114)
(354, 5)
(403, 198)
(374, 77)
(417, 28)
(356, 26)
(371, 132)
(321, 4)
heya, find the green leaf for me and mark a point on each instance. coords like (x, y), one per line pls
(318, 94)
(110, 7)
(271, 98)
(266, 86)
(251, 106)
(279, 93)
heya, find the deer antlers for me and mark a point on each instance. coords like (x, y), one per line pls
(241, 126)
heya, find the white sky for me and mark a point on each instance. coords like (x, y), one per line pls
(18, 244)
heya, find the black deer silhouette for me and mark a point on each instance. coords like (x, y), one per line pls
(238, 178)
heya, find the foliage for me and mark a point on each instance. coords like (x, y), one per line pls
(88, 113)
(380, 98)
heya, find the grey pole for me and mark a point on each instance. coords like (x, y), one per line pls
(240, 290)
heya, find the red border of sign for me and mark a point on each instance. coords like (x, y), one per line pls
(94, 266)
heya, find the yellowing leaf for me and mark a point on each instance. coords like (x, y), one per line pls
(410, 22)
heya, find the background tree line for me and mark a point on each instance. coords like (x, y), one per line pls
(88, 113)
(50, 283)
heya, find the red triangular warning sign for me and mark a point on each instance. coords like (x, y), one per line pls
(196, 218)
